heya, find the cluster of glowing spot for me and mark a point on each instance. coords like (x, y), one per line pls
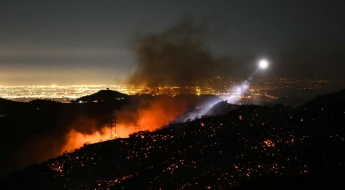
(268, 143)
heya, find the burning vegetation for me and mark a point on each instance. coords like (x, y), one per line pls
(49, 128)
(252, 147)
(143, 113)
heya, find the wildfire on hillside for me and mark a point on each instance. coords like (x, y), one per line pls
(150, 117)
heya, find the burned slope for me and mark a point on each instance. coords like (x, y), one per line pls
(38, 130)
(245, 148)
(35, 131)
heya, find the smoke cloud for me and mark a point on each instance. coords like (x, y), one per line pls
(177, 56)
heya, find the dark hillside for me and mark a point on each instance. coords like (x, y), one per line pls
(103, 96)
(252, 147)
(34, 130)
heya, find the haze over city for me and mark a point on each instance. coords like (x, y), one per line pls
(89, 42)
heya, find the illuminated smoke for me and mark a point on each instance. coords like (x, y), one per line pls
(143, 113)
(73, 129)
(238, 92)
(75, 139)
(148, 113)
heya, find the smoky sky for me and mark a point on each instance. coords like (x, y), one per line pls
(70, 40)
(180, 55)
(176, 56)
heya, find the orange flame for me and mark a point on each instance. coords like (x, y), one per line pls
(159, 113)
(76, 139)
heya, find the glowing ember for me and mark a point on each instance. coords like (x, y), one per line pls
(269, 143)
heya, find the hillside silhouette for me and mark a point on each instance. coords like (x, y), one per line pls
(32, 132)
(103, 96)
(251, 147)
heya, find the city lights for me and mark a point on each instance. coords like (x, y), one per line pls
(253, 87)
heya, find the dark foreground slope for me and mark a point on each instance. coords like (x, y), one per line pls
(253, 147)
(35, 131)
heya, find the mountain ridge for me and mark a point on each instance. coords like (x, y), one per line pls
(240, 147)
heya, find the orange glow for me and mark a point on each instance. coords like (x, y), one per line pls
(150, 119)
(150, 115)
(77, 139)
(268, 143)
(157, 115)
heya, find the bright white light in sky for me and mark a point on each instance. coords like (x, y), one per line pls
(236, 93)
(263, 64)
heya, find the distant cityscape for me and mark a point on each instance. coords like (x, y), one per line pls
(223, 87)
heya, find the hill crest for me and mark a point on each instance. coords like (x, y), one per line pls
(102, 96)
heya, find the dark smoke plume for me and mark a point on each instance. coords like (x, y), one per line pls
(176, 56)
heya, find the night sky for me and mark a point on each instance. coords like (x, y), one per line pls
(91, 42)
